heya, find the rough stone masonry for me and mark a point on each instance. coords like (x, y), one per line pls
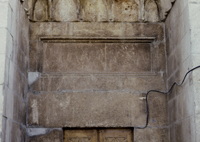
(93, 61)
(88, 64)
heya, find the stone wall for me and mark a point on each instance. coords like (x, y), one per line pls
(182, 38)
(14, 49)
(95, 73)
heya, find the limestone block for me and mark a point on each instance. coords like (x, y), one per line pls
(97, 29)
(185, 130)
(144, 30)
(2, 68)
(44, 135)
(98, 82)
(170, 81)
(64, 10)
(3, 39)
(186, 103)
(14, 106)
(54, 83)
(17, 78)
(143, 83)
(152, 134)
(196, 96)
(158, 108)
(14, 132)
(93, 10)
(164, 8)
(40, 10)
(161, 59)
(10, 109)
(151, 12)
(173, 111)
(4, 14)
(78, 83)
(196, 62)
(100, 10)
(33, 55)
(77, 58)
(193, 14)
(125, 10)
(197, 123)
(195, 35)
(39, 29)
(96, 57)
(128, 58)
(89, 109)
(21, 60)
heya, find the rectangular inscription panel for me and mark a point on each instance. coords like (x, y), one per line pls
(96, 57)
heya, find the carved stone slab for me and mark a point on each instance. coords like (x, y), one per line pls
(99, 10)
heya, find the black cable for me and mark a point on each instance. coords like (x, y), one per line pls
(175, 83)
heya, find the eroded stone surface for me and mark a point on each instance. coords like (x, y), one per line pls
(89, 109)
(151, 135)
(125, 10)
(100, 10)
(99, 82)
(50, 136)
(95, 58)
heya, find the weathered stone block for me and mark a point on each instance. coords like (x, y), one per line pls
(10, 104)
(151, 11)
(143, 83)
(39, 29)
(144, 30)
(21, 60)
(97, 29)
(89, 109)
(93, 82)
(98, 83)
(95, 58)
(128, 58)
(173, 109)
(125, 10)
(49, 135)
(17, 78)
(15, 107)
(14, 132)
(53, 83)
(100, 10)
(73, 58)
(33, 55)
(158, 109)
(40, 10)
(151, 135)
(64, 10)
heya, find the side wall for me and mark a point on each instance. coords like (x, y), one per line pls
(182, 35)
(13, 72)
(194, 11)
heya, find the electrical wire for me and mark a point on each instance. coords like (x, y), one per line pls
(175, 83)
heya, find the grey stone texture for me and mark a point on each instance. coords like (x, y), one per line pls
(99, 10)
(95, 74)
(15, 65)
(45, 135)
(90, 64)
(182, 54)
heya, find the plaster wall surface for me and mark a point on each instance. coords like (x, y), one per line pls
(182, 40)
(14, 32)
